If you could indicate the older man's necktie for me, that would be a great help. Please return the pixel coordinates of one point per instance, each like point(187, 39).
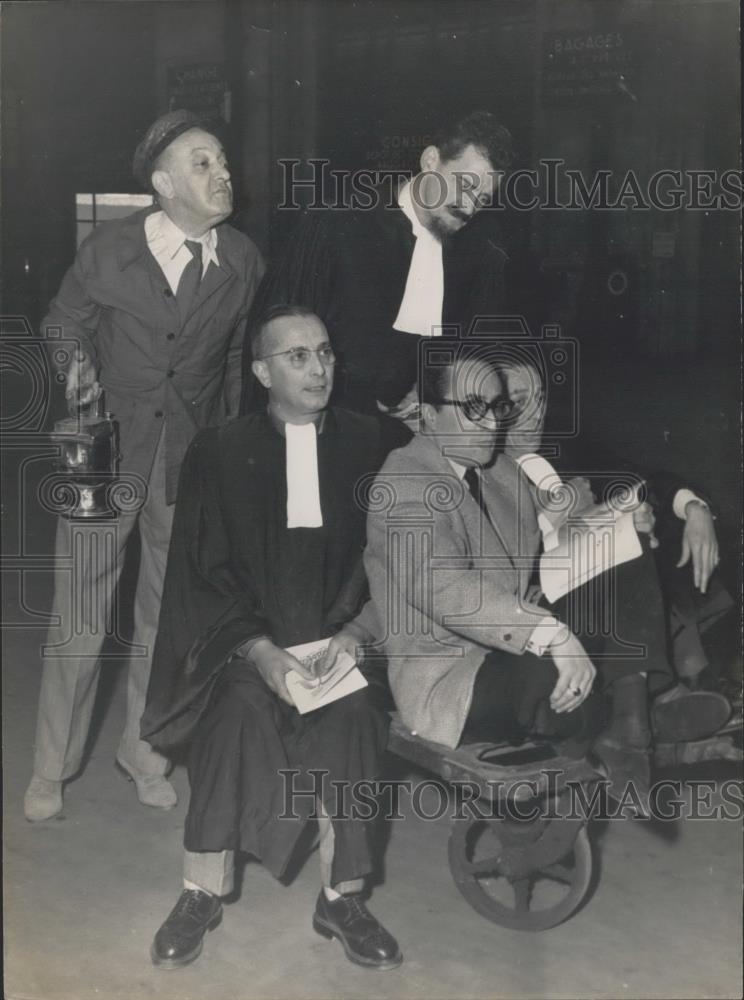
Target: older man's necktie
point(190, 279)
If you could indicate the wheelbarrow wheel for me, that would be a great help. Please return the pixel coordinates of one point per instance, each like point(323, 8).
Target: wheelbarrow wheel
point(497, 866)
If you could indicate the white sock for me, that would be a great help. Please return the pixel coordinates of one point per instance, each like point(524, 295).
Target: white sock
point(331, 894)
point(193, 885)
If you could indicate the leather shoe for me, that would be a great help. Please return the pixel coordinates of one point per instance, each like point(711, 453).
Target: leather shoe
point(680, 716)
point(364, 939)
point(624, 766)
point(179, 940)
point(152, 789)
point(43, 799)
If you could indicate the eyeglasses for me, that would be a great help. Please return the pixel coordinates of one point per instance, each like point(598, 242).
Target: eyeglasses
point(477, 410)
point(300, 356)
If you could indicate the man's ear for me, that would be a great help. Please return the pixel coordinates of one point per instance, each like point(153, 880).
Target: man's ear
point(261, 371)
point(161, 181)
point(430, 158)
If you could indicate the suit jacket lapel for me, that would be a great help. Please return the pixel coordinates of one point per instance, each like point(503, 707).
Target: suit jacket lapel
point(474, 522)
point(212, 281)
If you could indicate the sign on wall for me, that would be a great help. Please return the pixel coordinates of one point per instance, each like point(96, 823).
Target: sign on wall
point(200, 87)
point(579, 65)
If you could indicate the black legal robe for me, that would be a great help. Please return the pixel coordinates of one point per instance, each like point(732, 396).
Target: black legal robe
point(235, 571)
point(350, 266)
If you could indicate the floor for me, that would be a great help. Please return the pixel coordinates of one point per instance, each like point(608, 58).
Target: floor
point(85, 892)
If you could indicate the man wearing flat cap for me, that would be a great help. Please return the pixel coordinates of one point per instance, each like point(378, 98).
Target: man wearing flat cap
point(156, 305)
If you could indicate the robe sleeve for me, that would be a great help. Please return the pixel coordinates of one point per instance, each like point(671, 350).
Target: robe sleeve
point(205, 616)
point(329, 265)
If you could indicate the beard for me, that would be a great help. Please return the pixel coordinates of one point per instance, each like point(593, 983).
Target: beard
point(439, 228)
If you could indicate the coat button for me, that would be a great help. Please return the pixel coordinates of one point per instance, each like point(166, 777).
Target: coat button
point(171, 373)
point(507, 637)
point(158, 413)
point(170, 336)
point(168, 293)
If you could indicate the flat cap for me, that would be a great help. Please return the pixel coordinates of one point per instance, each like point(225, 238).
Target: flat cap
point(160, 135)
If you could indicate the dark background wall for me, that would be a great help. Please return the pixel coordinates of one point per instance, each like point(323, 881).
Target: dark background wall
point(363, 83)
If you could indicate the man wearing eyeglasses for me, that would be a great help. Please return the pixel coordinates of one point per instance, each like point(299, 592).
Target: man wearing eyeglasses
point(266, 554)
point(452, 555)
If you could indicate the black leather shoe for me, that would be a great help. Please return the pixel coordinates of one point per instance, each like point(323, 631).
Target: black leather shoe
point(179, 940)
point(365, 940)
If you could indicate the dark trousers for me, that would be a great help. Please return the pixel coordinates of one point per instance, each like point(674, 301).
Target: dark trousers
point(619, 618)
point(246, 739)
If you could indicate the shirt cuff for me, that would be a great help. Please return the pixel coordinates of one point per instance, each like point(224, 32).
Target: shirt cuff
point(544, 634)
point(681, 499)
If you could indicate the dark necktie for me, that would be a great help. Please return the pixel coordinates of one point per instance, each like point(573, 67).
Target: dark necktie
point(190, 279)
point(473, 483)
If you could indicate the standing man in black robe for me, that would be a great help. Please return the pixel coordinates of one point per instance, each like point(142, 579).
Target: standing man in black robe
point(266, 554)
point(382, 277)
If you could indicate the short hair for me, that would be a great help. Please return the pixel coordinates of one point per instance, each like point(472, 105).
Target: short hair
point(479, 129)
point(278, 311)
point(433, 381)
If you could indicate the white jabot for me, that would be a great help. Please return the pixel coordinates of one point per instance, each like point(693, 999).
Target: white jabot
point(421, 309)
point(549, 627)
point(303, 488)
point(167, 245)
point(539, 471)
point(542, 474)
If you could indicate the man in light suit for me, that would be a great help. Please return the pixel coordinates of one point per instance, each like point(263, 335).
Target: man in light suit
point(452, 539)
point(156, 305)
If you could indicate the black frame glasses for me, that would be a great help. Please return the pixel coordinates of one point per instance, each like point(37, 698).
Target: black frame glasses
point(476, 409)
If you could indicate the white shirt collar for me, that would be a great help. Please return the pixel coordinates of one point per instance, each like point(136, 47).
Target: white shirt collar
point(459, 469)
point(165, 240)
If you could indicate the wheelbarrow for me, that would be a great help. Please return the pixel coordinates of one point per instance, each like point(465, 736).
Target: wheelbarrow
point(526, 873)
point(528, 866)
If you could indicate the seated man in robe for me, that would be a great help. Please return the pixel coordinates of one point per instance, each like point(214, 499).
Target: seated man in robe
point(471, 653)
point(267, 554)
point(684, 534)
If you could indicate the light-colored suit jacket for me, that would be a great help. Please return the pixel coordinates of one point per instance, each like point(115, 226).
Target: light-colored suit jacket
point(447, 583)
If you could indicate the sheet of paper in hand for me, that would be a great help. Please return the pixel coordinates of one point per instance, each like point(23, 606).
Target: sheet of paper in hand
point(342, 679)
point(593, 543)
